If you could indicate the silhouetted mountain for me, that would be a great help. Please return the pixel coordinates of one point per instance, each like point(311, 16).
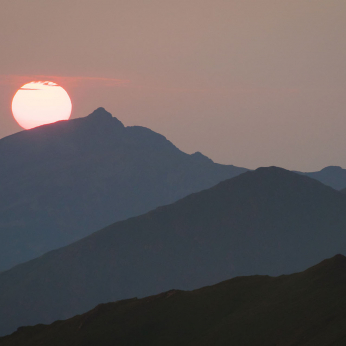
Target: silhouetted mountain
point(333, 176)
point(303, 309)
point(63, 181)
point(268, 221)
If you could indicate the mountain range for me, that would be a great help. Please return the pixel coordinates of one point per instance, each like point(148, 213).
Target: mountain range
point(305, 309)
point(268, 221)
point(63, 181)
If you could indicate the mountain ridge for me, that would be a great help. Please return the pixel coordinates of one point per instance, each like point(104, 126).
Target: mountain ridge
point(268, 221)
point(303, 308)
point(60, 182)
point(334, 176)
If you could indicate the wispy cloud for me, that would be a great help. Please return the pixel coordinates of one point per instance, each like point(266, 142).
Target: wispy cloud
point(74, 81)
point(94, 82)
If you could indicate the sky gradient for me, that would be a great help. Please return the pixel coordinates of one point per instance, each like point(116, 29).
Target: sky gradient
point(246, 82)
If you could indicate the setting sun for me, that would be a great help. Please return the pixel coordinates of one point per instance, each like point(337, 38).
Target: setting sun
point(39, 103)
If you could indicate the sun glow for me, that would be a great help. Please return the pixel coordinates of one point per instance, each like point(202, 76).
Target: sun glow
point(39, 103)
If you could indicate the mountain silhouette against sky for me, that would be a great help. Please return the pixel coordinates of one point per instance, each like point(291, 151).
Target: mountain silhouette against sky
point(305, 309)
point(63, 181)
point(333, 176)
point(268, 221)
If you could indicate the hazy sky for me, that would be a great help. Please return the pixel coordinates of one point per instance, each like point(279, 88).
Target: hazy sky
point(246, 82)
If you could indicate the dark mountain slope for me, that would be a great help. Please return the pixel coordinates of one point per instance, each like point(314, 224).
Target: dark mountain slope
point(306, 309)
point(333, 176)
point(269, 221)
point(63, 181)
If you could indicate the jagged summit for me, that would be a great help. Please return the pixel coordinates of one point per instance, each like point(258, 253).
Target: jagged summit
point(100, 114)
point(200, 157)
point(117, 171)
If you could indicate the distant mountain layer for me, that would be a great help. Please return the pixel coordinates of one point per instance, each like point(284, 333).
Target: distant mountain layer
point(63, 181)
point(333, 176)
point(268, 221)
point(305, 309)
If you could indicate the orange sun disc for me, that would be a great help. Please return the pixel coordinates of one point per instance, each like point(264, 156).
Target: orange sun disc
point(39, 103)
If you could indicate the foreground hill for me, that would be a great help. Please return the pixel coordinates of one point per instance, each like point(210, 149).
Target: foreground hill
point(305, 309)
point(269, 221)
point(63, 181)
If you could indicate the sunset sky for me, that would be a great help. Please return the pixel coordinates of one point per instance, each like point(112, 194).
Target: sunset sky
point(246, 82)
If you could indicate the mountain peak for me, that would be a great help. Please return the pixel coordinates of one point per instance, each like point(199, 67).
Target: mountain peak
point(271, 169)
point(100, 114)
point(200, 157)
point(332, 168)
point(333, 176)
point(272, 172)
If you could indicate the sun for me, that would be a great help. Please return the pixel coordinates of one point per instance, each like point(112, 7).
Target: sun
point(39, 103)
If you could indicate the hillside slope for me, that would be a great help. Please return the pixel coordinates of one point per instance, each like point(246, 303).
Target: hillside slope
point(305, 309)
point(269, 221)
